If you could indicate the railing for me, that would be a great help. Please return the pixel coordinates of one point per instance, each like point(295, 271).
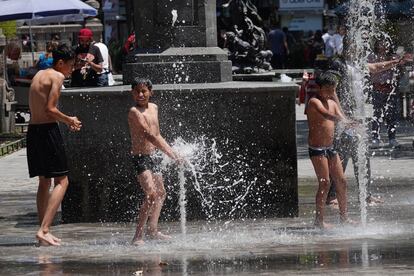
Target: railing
point(12, 146)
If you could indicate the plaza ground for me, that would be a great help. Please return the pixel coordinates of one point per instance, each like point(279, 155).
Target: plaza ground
point(288, 246)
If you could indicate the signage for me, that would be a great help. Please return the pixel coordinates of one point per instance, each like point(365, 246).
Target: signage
point(300, 4)
point(303, 23)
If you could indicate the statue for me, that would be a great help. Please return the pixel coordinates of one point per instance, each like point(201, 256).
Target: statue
point(244, 37)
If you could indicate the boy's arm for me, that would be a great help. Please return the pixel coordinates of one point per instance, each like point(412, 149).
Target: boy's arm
point(318, 106)
point(53, 112)
point(378, 67)
point(134, 117)
point(96, 67)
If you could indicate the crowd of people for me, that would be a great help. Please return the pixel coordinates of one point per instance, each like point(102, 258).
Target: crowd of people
point(317, 46)
point(92, 67)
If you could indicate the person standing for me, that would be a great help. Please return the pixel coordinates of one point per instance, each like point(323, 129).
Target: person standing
point(338, 40)
point(88, 61)
point(385, 99)
point(146, 140)
point(46, 155)
point(279, 47)
point(106, 64)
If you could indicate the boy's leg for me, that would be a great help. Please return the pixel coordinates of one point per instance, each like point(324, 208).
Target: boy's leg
point(147, 184)
point(156, 208)
point(56, 197)
point(337, 173)
point(320, 164)
point(42, 198)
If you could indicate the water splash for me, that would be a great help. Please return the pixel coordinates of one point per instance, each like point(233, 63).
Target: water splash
point(174, 14)
point(219, 196)
point(361, 24)
point(182, 200)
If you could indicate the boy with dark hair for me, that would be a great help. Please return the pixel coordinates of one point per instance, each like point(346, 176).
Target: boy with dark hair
point(45, 151)
point(323, 112)
point(146, 139)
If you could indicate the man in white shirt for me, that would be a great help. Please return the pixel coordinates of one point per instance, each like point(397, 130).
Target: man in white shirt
point(337, 40)
point(329, 44)
point(103, 76)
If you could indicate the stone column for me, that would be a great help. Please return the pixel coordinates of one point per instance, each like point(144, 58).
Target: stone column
point(156, 29)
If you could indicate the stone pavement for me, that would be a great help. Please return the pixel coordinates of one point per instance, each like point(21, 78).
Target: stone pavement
point(289, 245)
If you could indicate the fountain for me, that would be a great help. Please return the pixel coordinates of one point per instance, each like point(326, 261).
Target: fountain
point(251, 124)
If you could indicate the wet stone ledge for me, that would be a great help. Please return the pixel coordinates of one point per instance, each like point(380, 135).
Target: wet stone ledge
point(251, 123)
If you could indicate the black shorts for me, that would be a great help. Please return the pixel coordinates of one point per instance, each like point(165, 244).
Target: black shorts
point(45, 151)
point(146, 162)
point(327, 152)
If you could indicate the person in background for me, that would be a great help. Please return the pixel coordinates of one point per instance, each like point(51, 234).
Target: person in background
point(13, 54)
point(106, 70)
point(337, 40)
point(329, 44)
point(130, 44)
point(382, 65)
point(279, 47)
point(46, 59)
point(291, 42)
point(88, 61)
point(317, 47)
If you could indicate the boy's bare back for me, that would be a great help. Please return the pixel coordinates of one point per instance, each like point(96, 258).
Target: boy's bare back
point(44, 82)
point(143, 121)
point(321, 125)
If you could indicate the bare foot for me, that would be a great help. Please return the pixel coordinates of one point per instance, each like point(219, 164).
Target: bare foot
point(373, 201)
point(46, 239)
point(56, 239)
point(138, 242)
point(159, 236)
point(324, 225)
point(349, 221)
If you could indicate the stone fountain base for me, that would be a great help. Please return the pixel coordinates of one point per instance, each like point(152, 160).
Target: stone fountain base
point(252, 121)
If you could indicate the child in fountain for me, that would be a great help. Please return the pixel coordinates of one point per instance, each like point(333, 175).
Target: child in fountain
point(323, 112)
point(45, 151)
point(146, 139)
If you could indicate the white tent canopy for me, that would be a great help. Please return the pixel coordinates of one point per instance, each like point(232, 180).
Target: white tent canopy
point(44, 11)
point(39, 9)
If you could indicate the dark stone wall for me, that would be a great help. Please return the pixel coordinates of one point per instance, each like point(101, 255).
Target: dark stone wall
point(251, 122)
point(195, 25)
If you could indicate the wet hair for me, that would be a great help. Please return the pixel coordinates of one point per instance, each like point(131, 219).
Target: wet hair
point(137, 81)
point(327, 78)
point(62, 52)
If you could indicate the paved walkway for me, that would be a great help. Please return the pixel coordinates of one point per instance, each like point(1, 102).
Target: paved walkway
point(288, 245)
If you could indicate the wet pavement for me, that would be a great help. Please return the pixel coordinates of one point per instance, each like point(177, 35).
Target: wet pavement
point(289, 246)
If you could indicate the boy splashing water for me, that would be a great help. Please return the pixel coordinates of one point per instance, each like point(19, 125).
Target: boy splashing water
point(323, 112)
point(146, 139)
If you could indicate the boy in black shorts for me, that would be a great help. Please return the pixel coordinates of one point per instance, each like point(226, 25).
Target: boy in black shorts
point(45, 151)
point(146, 139)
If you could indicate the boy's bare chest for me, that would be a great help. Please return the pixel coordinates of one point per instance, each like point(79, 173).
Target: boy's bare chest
point(151, 118)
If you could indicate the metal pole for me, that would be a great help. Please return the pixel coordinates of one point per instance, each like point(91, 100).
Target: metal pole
point(31, 41)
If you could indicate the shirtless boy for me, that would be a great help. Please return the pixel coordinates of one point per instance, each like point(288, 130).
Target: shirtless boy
point(146, 139)
point(45, 151)
point(323, 112)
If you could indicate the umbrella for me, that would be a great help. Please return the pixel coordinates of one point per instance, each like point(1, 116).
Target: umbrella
point(46, 11)
point(37, 9)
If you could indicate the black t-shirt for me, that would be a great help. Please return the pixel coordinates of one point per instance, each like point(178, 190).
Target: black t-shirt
point(90, 78)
